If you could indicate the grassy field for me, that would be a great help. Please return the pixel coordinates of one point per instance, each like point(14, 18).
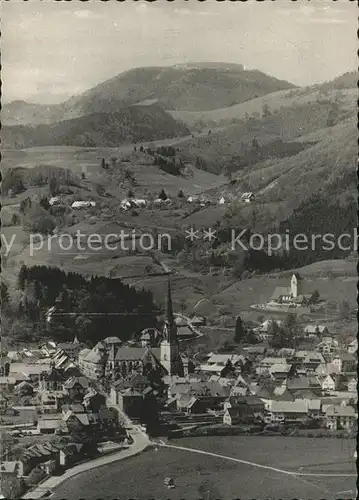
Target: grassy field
point(275, 100)
point(201, 476)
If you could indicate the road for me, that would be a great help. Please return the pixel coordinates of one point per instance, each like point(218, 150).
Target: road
point(141, 441)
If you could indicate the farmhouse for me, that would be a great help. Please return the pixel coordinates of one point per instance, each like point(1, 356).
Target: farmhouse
point(83, 204)
point(247, 197)
point(340, 417)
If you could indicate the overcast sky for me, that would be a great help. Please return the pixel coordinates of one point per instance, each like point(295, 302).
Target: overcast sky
point(52, 50)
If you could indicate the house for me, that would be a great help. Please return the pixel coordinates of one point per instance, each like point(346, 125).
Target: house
point(129, 401)
point(139, 203)
point(51, 401)
point(76, 387)
point(352, 384)
point(340, 417)
point(70, 454)
point(93, 401)
point(8, 383)
point(266, 363)
point(15, 467)
point(281, 411)
point(238, 414)
point(352, 347)
point(327, 383)
point(83, 204)
point(328, 345)
point(49, 425)
point(55, 200)
point(222, 200)
point(302, 384)
point(31, 371)
point(316, 330)
point(51, 380)
point(280, 371)
point(198, 321)
point(201, 404)
point(311, 361)
point(78, 421)
point(71, 349)
point(247, 197)
point(92, 361)
point(346, 362)
point(254, 402)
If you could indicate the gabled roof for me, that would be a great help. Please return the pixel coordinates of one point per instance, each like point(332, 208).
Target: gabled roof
point(71, 382)
point(298, 406)
point(340, 411)
point(135, 353)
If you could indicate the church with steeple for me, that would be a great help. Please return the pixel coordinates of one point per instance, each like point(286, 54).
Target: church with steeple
point(170, 357)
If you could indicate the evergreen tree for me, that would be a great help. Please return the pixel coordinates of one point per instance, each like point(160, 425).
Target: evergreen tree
point(239, 330)
point(162, 195)
point(180, 194)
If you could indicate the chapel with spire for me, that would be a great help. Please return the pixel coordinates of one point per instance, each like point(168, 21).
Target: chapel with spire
point(170, 357)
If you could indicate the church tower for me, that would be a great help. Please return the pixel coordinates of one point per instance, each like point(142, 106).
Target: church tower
point(170, 355)
point(294, 286)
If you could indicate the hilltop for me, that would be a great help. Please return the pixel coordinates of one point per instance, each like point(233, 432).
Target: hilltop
point(130, 125)
point(201, 86)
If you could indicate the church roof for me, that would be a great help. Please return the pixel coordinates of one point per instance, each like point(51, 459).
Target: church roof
point(135, 353)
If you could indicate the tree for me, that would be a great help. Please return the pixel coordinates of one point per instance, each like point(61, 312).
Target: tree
point(315, 297)
point(15, 220)
point(227, 172)
point(163, 195)
point(130, 194)
point(44, 203)
point(22, 277)
point(113, 161)
point(12, 180)
point(180, 194)
point(103, 163)
point(39, 221)
point(239, 332)
point(5, 296)
point(344, 309)
point(255, 144)
point(53, 186)
point(266, 111)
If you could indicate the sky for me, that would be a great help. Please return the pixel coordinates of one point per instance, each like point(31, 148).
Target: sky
point(52, 49)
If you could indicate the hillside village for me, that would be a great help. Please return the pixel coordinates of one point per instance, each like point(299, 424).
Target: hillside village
point(108, 352)
point(65, 402)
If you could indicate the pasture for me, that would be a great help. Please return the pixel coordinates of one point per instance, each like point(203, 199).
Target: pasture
point(209, 477)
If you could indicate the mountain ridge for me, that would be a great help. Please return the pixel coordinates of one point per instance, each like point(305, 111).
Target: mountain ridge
point(199, 86)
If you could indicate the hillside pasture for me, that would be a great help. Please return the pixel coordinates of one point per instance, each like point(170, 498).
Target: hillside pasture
point(205, 476)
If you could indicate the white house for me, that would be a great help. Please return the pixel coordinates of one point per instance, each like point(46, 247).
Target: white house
point(247, 197)
point(55, 200)
point(264, 366)
point(222, 200)
point(316, 330)
point(327, 383)
point(139, 203)
point(83, 204)
point(343, 417)
point(352, 384)
point(353, 346)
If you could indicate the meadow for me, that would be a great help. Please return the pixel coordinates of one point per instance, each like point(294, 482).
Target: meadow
point(203, 476)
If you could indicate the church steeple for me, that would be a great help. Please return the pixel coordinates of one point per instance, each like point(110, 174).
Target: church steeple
point(170, 324)
point(170, 356)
